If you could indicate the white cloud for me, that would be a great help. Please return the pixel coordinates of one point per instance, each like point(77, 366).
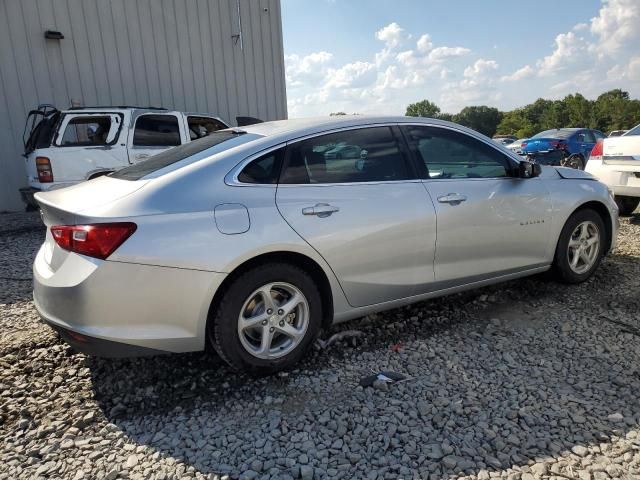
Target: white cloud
point(570, 51)
point(594, 55)
point(351, 75)
point(306, 70)
point(442, 53)
point(480, 69)
point(520, 74)
point(617, 26)
point(477, 86)
point(392, 35)
point(424, 43)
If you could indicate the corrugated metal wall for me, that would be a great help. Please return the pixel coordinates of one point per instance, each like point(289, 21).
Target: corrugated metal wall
point(178, 54)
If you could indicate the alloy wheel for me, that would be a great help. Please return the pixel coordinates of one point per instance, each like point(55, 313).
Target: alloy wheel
point(584, 247)
point(273, 320)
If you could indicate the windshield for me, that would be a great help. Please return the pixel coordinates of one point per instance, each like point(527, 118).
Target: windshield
point(634, 131)
point(186, 154)
point(556, 133)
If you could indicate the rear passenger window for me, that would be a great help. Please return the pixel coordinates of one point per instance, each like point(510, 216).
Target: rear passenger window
point(361, 155)
point(263, 170)
point(156, 131)
point(202, 126)
point(449, 154)
point(86, 131)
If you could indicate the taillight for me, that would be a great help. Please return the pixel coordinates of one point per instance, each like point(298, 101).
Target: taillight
point(558, 144)
point(43, 166)
point(597, 149)
point(98, 240)
point(523, 144)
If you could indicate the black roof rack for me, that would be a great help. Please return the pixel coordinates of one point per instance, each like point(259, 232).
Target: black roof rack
point(117, 106)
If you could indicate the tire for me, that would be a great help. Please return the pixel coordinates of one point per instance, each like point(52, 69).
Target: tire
point(243, 349)
point(627, 205)
point(564, 271)
point(575, 161)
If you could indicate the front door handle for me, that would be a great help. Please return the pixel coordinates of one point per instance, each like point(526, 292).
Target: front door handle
point(452, 198)
point(320, 210)
point(141, 156)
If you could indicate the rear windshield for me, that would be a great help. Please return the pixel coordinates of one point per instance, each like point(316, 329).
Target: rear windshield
point(634, 131)
point(183, 155)
point(558, 133)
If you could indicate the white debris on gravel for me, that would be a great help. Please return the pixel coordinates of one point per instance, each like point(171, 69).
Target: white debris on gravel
point(527, 380)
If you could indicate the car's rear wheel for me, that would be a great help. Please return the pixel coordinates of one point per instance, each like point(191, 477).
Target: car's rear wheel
point(266, 319)
point(574, 161)
point(627, 205)
point(580, 247)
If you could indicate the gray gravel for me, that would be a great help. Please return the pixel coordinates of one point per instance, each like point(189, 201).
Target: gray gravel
point(526, 380)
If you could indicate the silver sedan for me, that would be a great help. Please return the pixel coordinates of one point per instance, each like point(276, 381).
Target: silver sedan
point(254, 239)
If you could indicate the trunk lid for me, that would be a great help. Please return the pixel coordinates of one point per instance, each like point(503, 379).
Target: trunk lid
point(623, 150)
point(72, 206)
point(538, 144)
point(79, 199)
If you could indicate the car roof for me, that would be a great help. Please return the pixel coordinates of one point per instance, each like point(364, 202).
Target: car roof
point(299, 127)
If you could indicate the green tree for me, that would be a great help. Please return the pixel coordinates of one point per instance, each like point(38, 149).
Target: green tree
point(445, 116)
point(614, 110)
point(482, 119)
point(424, 108)
point(516, 123)
point(579, 111)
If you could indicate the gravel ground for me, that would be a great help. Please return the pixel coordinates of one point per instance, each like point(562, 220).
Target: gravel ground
point(526, 380)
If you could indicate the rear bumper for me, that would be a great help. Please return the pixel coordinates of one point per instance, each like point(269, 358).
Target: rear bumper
point(99, 347)
point(115, 309)
point(624, 180)
point(550, 157)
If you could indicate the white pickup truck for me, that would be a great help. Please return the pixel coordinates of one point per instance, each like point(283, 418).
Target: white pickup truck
point(69, 146)
point(615, 161)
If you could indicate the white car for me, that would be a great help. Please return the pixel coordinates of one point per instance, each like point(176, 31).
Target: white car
point(70, 146)
point(615, 161)
point(516, 146)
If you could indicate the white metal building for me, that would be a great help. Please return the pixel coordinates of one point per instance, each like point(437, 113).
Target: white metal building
point(219, 56)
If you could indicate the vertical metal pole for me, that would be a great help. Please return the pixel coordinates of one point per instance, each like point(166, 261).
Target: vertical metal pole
point(239, 24)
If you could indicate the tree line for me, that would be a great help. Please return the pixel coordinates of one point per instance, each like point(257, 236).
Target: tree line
point(613, 110)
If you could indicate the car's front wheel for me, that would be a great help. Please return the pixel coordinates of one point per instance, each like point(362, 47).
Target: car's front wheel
point(581, 246)
point(266, 319)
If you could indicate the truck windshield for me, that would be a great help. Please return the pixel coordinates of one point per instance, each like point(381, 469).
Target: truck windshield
point(186, 154)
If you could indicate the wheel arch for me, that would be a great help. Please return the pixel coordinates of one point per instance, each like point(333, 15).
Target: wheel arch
point(98, 173)
point(602, 210)
point(297, 259)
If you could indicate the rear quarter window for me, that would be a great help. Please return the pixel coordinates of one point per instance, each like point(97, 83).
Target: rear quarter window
point(184, 155)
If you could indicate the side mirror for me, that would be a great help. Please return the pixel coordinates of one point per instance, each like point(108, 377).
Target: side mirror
point(528, 169)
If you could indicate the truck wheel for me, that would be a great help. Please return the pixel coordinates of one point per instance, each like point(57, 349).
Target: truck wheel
point(267, 319)
point(580, 247)
point(627, 205)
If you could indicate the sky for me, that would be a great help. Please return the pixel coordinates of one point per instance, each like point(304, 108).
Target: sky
point(378, 56)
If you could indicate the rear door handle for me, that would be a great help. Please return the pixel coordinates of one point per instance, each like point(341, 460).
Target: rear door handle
point(141, 156)
point(452, 198)
point(320, 210)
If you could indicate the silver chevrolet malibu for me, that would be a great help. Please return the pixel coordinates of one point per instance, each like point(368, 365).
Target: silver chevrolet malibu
point(254, 239)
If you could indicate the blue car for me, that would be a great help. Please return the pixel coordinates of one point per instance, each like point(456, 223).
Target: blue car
point(575, 144)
